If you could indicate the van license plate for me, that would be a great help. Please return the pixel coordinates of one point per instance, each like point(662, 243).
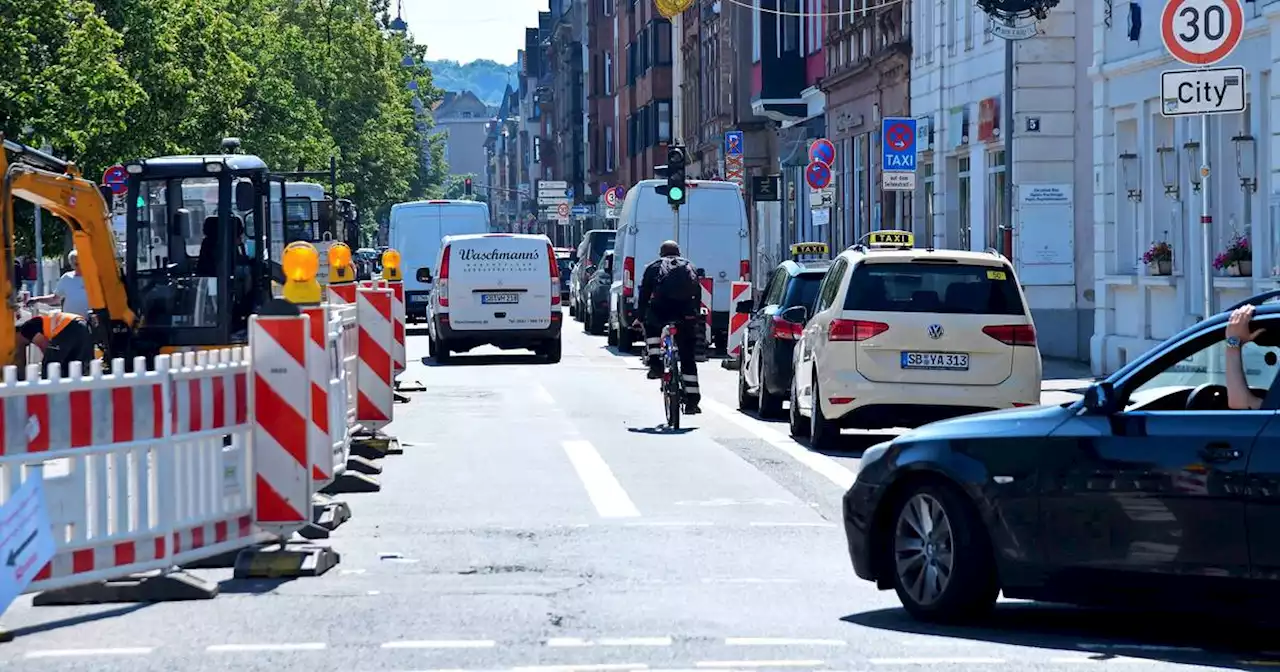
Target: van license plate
point(497, 299)
point(936, 361)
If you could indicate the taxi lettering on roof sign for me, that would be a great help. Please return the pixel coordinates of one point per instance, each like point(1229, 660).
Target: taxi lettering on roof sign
point(800, 249)
point(891, 239)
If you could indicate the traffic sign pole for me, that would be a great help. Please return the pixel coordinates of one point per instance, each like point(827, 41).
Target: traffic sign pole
point(1202, 33)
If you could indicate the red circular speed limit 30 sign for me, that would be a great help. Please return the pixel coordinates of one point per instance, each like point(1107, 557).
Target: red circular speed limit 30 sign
point(1201, 32)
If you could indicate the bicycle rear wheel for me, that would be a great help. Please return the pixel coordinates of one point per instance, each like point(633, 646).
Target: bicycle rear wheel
point(671, 396)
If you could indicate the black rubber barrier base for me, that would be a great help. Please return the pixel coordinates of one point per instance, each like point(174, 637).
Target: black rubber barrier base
point(410, 386)
point(400, 398)
point(221, 561)
point(171, 587)
point(313, 532)
point(285, 562)
point(352, 482)
point(362, 465)
point(371, 447)
point(328, 512)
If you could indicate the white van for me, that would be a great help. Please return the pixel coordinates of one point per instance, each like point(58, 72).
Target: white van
point(415, 231)
point(500, 289)
point(713, 235)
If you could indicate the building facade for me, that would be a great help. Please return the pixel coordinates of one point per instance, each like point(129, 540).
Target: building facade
point(1147, 187)
point(964, 170)
point(604, 114)
point(868, 63)
point(644, 91)
point(463, 117)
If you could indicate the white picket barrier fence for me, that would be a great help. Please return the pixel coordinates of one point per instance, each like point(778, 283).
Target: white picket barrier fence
point(135, 474)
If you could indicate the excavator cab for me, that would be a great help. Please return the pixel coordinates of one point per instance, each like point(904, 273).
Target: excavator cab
point(198, 261)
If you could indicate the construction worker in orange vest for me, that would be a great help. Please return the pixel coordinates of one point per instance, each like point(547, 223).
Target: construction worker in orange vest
point(62, 337)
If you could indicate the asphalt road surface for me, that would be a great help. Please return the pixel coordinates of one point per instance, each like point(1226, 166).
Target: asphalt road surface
point(540, 520)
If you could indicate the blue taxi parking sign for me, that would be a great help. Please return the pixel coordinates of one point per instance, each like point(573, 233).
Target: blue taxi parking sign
point(898, 144)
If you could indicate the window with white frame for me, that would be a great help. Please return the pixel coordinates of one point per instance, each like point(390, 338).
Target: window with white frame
point(610, 154)
point(1128, 230)
point(608, 7)
point(861, 192)
point(1239, 161)
point(997, 181)
point(958, 10)
point(968, 27)
point(755, 31)
point(842, 224)
point(927, 194)
point(664, 121)
point(537, 150)
point(608, 73)
point(962, 193)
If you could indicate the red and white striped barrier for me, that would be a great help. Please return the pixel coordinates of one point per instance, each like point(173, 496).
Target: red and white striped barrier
point(708, 287)
point(375, 377)
point(738, 291)
point(126, 492)
point(328, 433)
point(349, 335)
point(279, 347)
point(397, 312)
point(341, 292)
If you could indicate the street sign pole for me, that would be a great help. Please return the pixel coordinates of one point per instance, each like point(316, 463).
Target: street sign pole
point(1201, 33)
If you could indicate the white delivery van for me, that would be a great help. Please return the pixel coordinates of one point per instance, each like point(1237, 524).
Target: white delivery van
point(500, 289)
point(415, 231)
point(713, 235)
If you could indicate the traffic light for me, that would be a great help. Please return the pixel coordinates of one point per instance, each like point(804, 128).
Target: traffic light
point(466, 186)
point(676, 161)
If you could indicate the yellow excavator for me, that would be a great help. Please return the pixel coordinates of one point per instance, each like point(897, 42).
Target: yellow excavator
point(58, 187)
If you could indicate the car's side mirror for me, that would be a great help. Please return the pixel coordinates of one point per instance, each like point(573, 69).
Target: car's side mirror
point(424, 274)
point(746, 307)
point(1100, 398)
point(795, 314)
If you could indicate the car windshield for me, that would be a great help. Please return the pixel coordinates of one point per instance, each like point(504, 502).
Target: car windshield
point(967, 289)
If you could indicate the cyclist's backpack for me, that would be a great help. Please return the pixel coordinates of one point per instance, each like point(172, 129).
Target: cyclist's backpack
point(677, 282)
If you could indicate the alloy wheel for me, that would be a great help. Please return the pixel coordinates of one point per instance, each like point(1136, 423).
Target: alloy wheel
point(923, 546)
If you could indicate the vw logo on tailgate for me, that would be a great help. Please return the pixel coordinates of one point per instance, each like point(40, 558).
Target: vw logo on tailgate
point(935, 331)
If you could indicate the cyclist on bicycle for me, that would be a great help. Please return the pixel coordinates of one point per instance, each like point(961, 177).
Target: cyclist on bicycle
point(670, 293)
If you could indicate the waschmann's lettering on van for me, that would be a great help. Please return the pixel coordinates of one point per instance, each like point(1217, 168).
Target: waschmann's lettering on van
point(498, 255)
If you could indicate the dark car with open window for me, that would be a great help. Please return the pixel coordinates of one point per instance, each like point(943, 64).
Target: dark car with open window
point(1149, 491)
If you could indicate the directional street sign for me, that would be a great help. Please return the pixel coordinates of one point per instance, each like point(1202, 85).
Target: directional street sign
point(1201, 32)
point(28, 543)
point(818, 175)
point(898, 139)
point(822, 151)
point(583, 210)
point(117, 179)
point(1209, 91)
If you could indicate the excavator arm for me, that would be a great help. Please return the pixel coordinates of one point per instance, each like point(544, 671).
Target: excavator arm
point(58, 187)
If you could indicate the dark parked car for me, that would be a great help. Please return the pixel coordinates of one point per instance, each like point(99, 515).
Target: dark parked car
point(565, 261)
point(596, 296)
point(765, 362)
point(1146, 492)
point(590, 251)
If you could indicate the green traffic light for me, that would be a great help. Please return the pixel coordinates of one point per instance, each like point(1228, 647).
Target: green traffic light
point(675, 194)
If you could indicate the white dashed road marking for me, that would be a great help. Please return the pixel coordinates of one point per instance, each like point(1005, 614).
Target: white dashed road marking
point(256, 648)
point(782, 641)
point(441, 644)
point(937, 661)
point(827, 467)
point(608, 495)
point(607, 667)
point(72, 653)
point(568, 642)
point(749, 664)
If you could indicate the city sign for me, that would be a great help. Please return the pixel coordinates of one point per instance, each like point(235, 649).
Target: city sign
point(1201, 32)
point(1012, 31)
point(898, 140)
point(822, 151)
point(1208, 91)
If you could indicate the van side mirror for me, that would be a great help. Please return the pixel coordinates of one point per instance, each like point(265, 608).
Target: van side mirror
point(795, 314)
point(1100, 398)
point(245, 194)
point(702, 272)
point(424, 274)
point(746, 307)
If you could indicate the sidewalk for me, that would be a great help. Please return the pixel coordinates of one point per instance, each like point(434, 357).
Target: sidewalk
point(1066, 375)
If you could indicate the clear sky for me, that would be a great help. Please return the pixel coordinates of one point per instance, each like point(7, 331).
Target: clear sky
point(465, 30)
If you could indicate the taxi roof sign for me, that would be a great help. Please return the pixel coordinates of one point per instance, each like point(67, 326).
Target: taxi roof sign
point(802, 249)
point(901, 239)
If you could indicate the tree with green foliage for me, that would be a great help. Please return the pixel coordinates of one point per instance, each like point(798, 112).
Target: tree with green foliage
point(297, 80)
